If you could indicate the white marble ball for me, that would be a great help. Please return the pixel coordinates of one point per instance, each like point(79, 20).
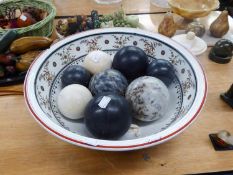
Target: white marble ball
point(72, 101)
point(149, 97)
point(97, 61)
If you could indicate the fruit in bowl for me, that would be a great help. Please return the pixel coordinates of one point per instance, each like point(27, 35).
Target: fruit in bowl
point(184, 96)
point(19, 18)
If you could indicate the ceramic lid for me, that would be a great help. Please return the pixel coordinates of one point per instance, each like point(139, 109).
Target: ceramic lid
point(193, 43)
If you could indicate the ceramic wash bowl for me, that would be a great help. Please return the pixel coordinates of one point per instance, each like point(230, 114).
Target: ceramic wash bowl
point(193, 9)
point(43, 83)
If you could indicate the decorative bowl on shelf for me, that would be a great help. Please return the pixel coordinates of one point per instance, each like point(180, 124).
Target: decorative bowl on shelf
point(40, 28)
point(193, 9)
point(43, 84)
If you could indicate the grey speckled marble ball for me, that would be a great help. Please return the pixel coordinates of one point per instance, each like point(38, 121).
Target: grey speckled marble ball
point(107, 81)
point(149, 97)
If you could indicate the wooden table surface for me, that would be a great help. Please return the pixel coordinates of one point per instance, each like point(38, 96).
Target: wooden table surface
point(26, 148)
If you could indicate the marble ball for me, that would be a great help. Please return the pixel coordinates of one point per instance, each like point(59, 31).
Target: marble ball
point(149, 98)
point(72, 101)
point(108, 81)
point(97, 61)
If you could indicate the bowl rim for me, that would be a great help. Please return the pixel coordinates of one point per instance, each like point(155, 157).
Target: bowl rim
point(117, 145)
point(215, 6)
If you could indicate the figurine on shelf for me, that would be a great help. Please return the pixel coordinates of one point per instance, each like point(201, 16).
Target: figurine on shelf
point(197, 28)
point(223, 140)
point(222, 51)
point(167, 27)
point(228, 96)
point(220, 26)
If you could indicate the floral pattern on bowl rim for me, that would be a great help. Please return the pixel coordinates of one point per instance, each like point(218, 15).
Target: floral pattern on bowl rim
point(72, 50)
